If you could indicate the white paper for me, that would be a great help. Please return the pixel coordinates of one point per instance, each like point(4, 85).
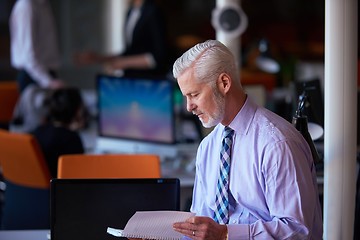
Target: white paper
point(152, 225)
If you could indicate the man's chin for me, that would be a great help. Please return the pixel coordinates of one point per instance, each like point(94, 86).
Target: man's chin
point(208, 124)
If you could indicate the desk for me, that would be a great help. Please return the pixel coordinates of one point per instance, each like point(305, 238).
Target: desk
point(25, 234)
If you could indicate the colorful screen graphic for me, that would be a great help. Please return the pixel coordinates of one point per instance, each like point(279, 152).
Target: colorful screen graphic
point(138, 109)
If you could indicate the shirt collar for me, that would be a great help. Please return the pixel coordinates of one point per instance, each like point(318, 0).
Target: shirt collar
point(241, 123)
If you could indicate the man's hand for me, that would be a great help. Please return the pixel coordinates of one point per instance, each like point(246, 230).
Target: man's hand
point(201, 228)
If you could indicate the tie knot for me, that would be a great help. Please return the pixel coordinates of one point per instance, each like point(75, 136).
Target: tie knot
point(228, 132)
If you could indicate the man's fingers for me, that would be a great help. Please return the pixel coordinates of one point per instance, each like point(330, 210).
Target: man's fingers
point(198, 220)
point(185, 226)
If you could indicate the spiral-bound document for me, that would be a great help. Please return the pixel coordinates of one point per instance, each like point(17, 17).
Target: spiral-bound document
point(152, 225)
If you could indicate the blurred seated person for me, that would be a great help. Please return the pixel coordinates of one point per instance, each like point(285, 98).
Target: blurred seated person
point(59, 135)
point(145, 44)
point(30, 110)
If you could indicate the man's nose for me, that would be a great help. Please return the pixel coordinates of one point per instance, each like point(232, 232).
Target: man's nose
point(190, 106)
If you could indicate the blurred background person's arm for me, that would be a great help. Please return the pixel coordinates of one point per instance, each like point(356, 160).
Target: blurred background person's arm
point(145, 42)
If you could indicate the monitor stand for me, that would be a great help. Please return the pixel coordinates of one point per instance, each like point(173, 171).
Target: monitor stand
point(165, 151)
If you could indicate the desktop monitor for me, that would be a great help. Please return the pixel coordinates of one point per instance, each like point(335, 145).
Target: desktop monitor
point(84, 208)
point(136, 109)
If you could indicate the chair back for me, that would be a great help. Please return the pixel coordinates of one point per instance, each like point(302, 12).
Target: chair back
point(109, 166)
point(22, 161)
point(9, 95)
point(27, 179)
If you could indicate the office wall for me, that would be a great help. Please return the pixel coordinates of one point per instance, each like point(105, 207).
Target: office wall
point(80, 27)
point(87, 25)
point(295, 30)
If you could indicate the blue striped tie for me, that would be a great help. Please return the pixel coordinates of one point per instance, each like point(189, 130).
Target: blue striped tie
point(221, 214)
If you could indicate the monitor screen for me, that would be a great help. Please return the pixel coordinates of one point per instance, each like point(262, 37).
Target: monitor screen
point(84, 208)
point(136, 109)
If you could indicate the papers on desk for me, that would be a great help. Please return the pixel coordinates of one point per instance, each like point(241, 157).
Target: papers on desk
point(152, 225)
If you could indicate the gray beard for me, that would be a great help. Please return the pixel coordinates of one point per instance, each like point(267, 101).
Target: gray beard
point(218, 115)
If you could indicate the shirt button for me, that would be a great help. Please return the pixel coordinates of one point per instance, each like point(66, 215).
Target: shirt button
point(234, 221)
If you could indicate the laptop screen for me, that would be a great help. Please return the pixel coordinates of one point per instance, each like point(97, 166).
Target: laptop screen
point(84, 208)
point(136, 109)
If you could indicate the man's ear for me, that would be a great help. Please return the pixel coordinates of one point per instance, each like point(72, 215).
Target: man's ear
point(224, 83)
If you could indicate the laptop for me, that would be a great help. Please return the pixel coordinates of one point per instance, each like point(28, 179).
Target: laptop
point(85, 208)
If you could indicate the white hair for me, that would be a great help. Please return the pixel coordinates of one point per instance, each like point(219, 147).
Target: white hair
point(208, 59)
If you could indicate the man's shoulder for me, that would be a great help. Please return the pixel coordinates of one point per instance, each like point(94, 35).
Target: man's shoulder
point(273, 127)
point(264, 115)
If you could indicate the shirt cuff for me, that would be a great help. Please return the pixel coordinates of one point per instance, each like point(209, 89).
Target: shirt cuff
point(238, 231)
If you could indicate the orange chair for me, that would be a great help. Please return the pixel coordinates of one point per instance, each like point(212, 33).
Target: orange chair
point(27, 180)
point(9, 95)
point(109, 166)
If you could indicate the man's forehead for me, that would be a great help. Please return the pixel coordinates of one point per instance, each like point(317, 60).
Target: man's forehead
point(187, 81)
